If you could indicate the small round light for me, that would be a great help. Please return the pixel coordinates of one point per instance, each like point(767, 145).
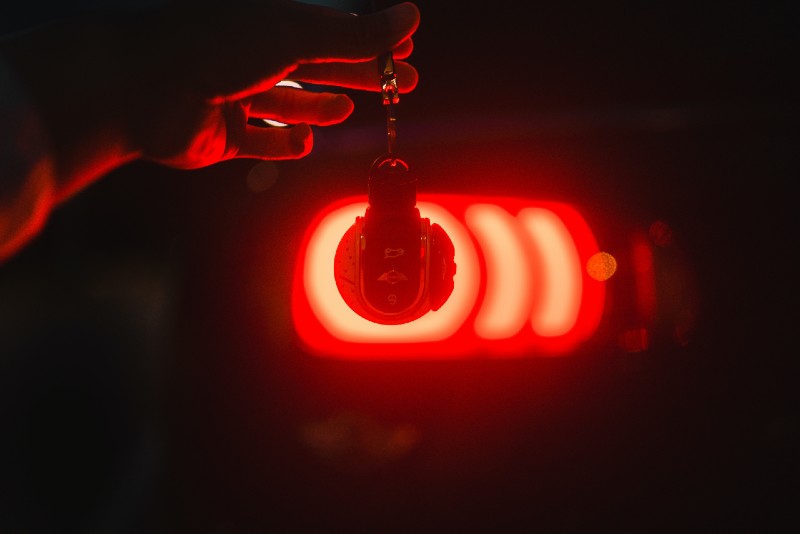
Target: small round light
point(601, 266)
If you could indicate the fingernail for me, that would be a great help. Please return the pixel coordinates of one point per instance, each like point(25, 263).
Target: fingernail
point(301, 138)
point(403, 18)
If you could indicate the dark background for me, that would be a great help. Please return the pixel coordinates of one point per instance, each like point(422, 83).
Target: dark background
point(151, 381)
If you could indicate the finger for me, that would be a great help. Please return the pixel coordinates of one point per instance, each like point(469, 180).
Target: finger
point(319, 35)
point(404, 49)
point(290, 105)
point(232, 55)
point(274, 143)
point(364, 76)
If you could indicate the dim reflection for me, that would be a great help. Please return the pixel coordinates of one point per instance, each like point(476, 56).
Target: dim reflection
point(660, 234)
point(354, 441)
point(262, 176)
point(634, 340)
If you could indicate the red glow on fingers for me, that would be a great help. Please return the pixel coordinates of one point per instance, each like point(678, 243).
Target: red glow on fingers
point(404, 49)
point(282, 83)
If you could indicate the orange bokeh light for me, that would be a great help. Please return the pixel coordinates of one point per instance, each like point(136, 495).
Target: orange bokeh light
point(601, 266)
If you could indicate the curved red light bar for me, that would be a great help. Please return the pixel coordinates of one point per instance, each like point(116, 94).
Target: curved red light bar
point(521, 288)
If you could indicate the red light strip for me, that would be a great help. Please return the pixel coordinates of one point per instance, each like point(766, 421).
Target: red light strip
point(528, 268)
point(508, 296)
point(561, 272)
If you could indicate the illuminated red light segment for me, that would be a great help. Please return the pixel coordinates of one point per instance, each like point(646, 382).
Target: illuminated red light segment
point(344, 324)
point(509, 284)
point(642, 260)
point(561, 272)
point(522, 291)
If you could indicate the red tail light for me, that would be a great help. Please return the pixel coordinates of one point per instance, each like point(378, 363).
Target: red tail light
point(521, 288)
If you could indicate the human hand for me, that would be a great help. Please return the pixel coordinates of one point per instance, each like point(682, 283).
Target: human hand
point(235, 78)
point(177, 86)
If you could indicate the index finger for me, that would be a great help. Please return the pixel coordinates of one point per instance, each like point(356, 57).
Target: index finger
point(237, 53)
point(317, 34)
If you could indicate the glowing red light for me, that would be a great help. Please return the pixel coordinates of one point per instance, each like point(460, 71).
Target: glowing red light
point(642, 259)
point(506, 304)
point(344, 324)
point(562, 274)
point(522, 291)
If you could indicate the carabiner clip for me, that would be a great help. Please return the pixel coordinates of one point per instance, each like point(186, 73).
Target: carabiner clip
point(389, 90)
point(391, 96)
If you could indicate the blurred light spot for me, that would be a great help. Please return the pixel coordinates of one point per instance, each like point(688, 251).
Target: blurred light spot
point(660, 233)
point(561, 287)
point(355, 441)
point(262, 176)
point(282, 83)
point(645, 278)
point(642, 257)
point(601, 266)
point(507, 303)
point(634, 340)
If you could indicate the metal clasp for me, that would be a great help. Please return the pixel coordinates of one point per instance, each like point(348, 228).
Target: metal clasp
point(391, 96)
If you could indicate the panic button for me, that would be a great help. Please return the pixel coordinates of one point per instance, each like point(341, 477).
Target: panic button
point(521, 288)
